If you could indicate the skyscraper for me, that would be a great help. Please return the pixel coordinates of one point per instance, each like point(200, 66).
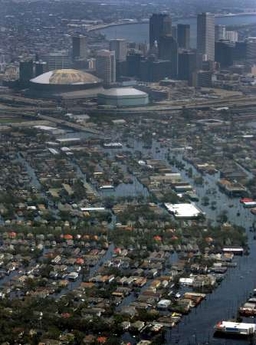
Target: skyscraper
point(26, 72)
point(106, 66)
point(174, 32)
point(232, 36)
point(133, 64)
point(79, 49)
point(183, 36)
point(186, 65)
point(168, 50)
point(220, 32)
point(159, 25)
point(224, 53)
point(57, 60)
point(40, 67)
point(119, 46)
point(206, 35)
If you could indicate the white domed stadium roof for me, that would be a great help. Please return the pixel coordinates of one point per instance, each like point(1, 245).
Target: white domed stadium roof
point(123, 92)
point(65, 77)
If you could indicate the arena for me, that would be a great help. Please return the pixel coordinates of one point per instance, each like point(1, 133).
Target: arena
point(123, 97)
point(61, 81)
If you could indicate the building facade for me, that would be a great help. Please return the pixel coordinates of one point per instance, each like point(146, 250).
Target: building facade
point(232, 36)
point(186, 65)
point(26, 70)
point(159, 25)
point(183, 36)
point(224, 53)
point(119, 46)
point(220, 32)
point(168, 50)
point(79, 47)
point(106, 66)
point(57, 60)
point(206, 35)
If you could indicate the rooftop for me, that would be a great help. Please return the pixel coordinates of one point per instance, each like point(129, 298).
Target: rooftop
point(65, 76)
point(126, 91)
point(183, 210)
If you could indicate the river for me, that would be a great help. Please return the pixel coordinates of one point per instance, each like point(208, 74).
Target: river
point(139, 32)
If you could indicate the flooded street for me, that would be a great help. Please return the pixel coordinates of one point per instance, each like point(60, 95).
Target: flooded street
point(197, 327)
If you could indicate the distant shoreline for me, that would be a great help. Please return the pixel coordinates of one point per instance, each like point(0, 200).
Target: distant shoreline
point(104, 26)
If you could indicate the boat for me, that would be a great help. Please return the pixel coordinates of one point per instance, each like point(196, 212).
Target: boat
point(234, 329)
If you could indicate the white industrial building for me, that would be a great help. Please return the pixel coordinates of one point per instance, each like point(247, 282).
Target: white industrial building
point(188, 211)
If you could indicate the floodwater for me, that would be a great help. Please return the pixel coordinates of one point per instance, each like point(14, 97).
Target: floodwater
point(222, 304)
point(197, 327)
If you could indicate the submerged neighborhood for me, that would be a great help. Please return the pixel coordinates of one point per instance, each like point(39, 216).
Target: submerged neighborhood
point(127, 173)
point(117, 236)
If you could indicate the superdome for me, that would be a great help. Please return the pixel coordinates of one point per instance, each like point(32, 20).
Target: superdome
point(65, 77)
point(62, 80)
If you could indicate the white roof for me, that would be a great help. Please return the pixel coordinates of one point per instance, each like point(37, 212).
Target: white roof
point(84, 209)
point(237, 325)
point(123, 91)
point(183, 210)
point(45, 128)
point(62, 140)
point(43, 78)
point(164, 302)
point(65, 77)
point(187, 280)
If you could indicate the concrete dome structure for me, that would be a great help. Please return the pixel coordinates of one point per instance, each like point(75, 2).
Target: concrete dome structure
point(63, 80)
point(123, 97)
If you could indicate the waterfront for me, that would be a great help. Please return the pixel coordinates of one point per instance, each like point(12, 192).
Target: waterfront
point(139, 32)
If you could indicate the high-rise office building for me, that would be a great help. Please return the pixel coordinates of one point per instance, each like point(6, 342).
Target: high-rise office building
point(240, 51)
point(57, 60)
point(206, 35)
point(202, 78)
point(183, 36)
point(232, 36)
point(220, 32)
point(168, 50)
point(119, 46)
point(26, 72)
point(79, 47)
point(174, 32)
point(159, 25)
point(186, 65)
point(106, 66)
point(251, 49)
point(40, 67)
point(224, 53)
point(133, 64)
point(155, 70)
